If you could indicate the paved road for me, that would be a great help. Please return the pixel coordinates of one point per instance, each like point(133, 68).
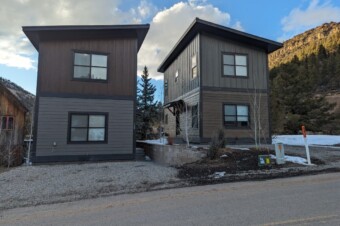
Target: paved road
point(308, 200)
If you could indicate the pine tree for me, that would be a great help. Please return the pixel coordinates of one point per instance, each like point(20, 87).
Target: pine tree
point(146, 106)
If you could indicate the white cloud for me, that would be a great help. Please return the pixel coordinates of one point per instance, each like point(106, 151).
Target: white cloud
point(238, 26)
point(17, 52)
point(168, 26)
point(315, 14)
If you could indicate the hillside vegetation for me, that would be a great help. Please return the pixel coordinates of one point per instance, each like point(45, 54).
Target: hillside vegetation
point(304, 74)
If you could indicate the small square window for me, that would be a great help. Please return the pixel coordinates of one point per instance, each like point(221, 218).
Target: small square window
point(235, 65)
point(88, 127)
point(236, 115)
point(90, 66)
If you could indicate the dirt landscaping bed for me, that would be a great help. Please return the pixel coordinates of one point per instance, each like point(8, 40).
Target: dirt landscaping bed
point(233, 164)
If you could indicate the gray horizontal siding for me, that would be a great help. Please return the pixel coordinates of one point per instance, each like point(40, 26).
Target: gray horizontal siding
point(53, 126)
point(211, 71)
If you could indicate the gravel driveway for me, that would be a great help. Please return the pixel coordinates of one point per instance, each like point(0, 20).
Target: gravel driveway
point(43, 184)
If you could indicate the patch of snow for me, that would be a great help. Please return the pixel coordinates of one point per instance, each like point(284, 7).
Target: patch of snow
point(161, 141)
point(293, 159)
point(242, 149)
point(147, 158)
point(311, 139)
point(217, 175)
point(224, 156)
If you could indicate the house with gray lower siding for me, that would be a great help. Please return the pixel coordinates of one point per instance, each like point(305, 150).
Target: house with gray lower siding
point(86, 91)
point(216, 78)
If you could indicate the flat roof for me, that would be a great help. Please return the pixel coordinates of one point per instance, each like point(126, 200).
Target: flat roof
point(36, 34)
point(202, 26)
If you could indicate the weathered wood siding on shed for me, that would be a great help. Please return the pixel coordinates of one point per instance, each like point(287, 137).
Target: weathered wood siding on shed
point(8, 107)
point(53, 126)
point(185, 82)
point(56, 67)
point(213, 113)
point(212, 48)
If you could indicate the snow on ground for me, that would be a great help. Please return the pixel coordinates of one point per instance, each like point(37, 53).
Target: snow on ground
point(161, 141)
point(311, 139)
point(293, 159)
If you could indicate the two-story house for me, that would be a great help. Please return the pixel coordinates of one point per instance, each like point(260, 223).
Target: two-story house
point(217, 78)
point(86, 91)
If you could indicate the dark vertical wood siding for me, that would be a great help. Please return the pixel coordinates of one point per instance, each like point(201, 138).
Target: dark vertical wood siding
point(56, 67)
point(211, 71)
point(185, 82)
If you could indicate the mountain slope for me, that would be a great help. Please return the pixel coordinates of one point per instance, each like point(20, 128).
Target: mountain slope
point(305, 44)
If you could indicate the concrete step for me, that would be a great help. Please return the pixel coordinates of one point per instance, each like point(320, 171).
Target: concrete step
point(139, 154)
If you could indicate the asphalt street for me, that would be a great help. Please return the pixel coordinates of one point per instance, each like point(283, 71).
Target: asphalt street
point(305, 200)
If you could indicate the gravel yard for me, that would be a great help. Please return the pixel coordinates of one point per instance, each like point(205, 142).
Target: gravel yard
point(42, 184)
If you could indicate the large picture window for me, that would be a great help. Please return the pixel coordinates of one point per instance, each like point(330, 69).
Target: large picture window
point(90, 66)
point(235, 65)
point(236, 115)
point(7, 122)
point(88, 127)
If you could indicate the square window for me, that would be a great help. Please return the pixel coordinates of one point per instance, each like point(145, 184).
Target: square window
point(235, 65)
point(87, 127)
point(236, 115)
point(90, 66)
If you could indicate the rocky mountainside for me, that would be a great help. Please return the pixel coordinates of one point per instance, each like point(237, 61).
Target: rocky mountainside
point(306, 43)
point(24, 96)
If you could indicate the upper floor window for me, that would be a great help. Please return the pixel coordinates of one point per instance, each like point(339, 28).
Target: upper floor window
point(176, 76)
point(194, 116)
point(90, 66)
point(235, 65)
point(88, 127)
point(236, 115)
point(7, 122)
point(194, 66)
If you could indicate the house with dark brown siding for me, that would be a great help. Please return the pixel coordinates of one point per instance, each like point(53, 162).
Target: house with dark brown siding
point(217, 78)
point(86, 91)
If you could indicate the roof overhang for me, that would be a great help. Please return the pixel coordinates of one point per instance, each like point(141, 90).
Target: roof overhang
point(37, 34)
point(176, 105)
point(202, 26)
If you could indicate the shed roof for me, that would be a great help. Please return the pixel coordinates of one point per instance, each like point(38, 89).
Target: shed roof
point(13, 95)
point(199, 26)
point(36, 34)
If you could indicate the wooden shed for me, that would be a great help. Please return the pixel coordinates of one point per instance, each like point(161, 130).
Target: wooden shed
point(12, 126)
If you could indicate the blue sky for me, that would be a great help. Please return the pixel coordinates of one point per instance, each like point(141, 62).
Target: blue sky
point(277, 20)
